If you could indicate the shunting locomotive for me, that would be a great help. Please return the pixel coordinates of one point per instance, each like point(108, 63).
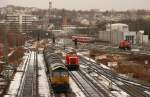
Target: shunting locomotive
point(72, 61)
point(124, 44)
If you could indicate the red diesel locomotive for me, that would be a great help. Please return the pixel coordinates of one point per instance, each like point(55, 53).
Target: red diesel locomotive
point(72, 61)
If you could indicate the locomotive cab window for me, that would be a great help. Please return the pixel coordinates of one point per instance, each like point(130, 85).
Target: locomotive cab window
point(64, 74)
point(55, 74)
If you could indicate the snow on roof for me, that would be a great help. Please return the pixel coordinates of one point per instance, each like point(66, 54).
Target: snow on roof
point(119, 24)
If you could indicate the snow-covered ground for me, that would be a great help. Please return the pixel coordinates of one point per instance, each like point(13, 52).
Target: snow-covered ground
point(82, 54)
point(147, 92)
point(75, 88)
point(15, 84)
point(44, 90)
point(104, 81)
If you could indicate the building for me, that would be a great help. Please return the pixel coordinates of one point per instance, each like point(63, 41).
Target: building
point(116, 32)
point(20, 22)
point(117, 27)
point(141, 38)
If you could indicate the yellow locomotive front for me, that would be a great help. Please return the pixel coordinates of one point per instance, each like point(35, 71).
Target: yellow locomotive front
point(60, 79)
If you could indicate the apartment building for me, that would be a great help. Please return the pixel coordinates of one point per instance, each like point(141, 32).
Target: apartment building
point(21, 22)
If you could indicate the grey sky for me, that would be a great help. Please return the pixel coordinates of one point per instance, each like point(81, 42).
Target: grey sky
point(83, 4)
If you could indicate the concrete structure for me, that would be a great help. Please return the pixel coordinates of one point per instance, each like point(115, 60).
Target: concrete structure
point(20, 22)
point(116, 32)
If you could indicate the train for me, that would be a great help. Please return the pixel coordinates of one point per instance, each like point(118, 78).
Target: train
point(57, 72)
point(124, 44)
point(83, 39)
point(72, 61)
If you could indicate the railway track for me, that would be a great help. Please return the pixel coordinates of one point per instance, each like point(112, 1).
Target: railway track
point(132, 89)
point(29, 84)
point(88, 88)
point(5, 84)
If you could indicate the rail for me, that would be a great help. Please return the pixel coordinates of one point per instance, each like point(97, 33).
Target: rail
point(126, 86)
point(85, 85)
point(28, 87)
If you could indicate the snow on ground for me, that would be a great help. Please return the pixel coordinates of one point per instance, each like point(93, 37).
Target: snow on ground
point(43, 81)
point(75, 88)
point(106, 82)
point(147, 92)
point(83, 66)
point(32, 58)
point(17, 80)
point(85, 53)
point(15, 84)
point(104, 66)
point(120, 94)
point(22, 65)
point(82, 54)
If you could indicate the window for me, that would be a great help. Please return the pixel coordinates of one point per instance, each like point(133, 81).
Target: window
point(130, 39)
point(64, 74)
point(56, 74)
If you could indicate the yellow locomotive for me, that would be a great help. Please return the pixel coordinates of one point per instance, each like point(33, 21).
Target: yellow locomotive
point(58, 73)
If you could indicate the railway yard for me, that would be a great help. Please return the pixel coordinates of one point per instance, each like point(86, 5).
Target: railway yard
point(78, 48)
point(102, 73)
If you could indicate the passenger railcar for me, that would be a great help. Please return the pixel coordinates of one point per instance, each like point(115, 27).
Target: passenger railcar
point(83, 39)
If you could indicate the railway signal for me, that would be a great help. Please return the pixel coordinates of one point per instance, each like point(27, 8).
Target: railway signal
point(53, 39)
point(76, 43)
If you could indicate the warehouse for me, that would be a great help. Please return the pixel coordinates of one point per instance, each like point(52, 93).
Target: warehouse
point(116, 32)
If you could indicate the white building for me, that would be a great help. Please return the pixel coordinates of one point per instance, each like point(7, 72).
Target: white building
point(116, 32)
point(71, 28)
point(20, 22)
point(117, 27)
point(141, 38)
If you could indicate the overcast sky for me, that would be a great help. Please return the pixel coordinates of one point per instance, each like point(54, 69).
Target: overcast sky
point(82, 4)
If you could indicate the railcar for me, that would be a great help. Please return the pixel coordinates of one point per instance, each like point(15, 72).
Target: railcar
point(83, 39)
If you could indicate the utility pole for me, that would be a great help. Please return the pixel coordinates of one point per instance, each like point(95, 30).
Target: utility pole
point(110, 27)
point(6, 51)
point(76, 44)
point(148, 31)
point(53, 39)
